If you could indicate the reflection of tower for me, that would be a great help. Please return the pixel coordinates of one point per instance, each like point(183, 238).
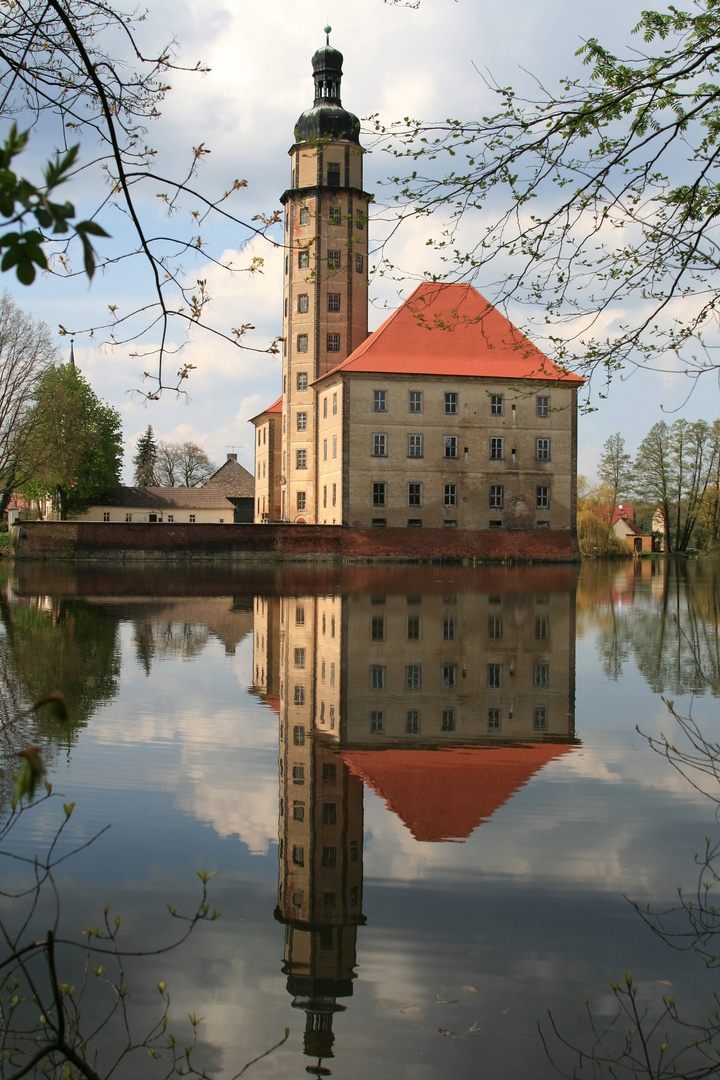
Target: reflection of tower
point(321, 824)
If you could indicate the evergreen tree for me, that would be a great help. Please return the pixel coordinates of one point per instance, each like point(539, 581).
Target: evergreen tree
point(145, 460)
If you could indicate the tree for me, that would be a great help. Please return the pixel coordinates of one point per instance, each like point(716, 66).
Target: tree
point(83, 65)
point(599, 198)
point(615, 470)
point(183, 465)
point(145, 460)
point(26, 352)
point(75, 450)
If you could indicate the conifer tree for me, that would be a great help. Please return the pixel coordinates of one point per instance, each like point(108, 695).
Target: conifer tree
point(145, 460)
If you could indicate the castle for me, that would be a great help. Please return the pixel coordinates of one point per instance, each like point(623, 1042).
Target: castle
point(445, 417)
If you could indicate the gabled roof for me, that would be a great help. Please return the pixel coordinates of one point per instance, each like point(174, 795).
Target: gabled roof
point(450, 329)
point(276, 407)
point(158, 498)
point(231, 480)
point(446, 794)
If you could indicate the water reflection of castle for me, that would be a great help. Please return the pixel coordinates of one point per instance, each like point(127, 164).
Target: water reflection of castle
point(444, 702)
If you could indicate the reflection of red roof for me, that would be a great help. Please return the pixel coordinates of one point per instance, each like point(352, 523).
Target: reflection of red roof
point(446, 794)
point(450, 329)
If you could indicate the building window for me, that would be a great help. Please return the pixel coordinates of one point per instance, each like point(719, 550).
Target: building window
point(496, 449)
point(414, 523)
point(298, 855)
point(329, 855)
point(333, 343)
point(416, 401)
point(359, 220)
point(415, 446)
point(379, 446)
point(192, 519)
point(359, 264)
point(298, 772)
point(298, 811)
point(496, 404)
point(377, 677)
point(334, 495)
point(448, 720)
point(302, 380)
point(299, 655)
point(329, 813)
point(324, 449)
point(540, 719)
point(301, 500)
point(412, 723)
point(303, 303)
point(450, 495)
point(334, 215)
point(335, 404)
point(325, 408)
point(379, 523)
point(128, 517)
point(301, 459)
point(495, 627)
point(543, 405)
point(543, 449)
point(324, 496)
point(333, 260)
point(542, 498)
point(449, 675)
point(379, 400)
point(496, 496)
point(451, 446)
point(304, 215)
point(302, 421)
point(106, 515)
point(334, 438)
point(376, 721)
point(494, 675)
point(302, 343)
point(377, 628)
point(414, 494)
point(303, 260)
point(493, 719)
point(541, 675)
point(379, 492)
point(542, 627)
point(299, 730)
point(413, 677)
point(334, 301)
point(449, 627)
point(333, 174)
point(451, 403)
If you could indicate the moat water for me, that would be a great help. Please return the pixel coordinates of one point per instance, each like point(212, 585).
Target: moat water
point(428, 794)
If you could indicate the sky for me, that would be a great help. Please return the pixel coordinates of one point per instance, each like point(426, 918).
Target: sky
point(424, 62)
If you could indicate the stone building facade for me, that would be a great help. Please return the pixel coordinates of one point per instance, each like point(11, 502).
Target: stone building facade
point(444, 417)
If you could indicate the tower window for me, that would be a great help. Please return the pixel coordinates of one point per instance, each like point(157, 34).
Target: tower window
point(302, 421)
point(333, 260)
point(302, 380)
point(304, 215)
point(334, 216)
point(334, 301)
point(301, 459)
point(303, 260)
point(333, 343)
point(303, 303)
point(359, 264)
point(301, 500)
point(333, 174)
point(302, 343)
point(359, 220)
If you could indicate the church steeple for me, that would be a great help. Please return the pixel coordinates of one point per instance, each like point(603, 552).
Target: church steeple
point(327, 119)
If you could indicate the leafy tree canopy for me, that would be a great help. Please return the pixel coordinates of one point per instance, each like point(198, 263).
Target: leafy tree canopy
point(597, 203)
point(76, 447)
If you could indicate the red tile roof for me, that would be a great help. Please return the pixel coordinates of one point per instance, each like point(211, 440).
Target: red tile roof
point(276, 407)
point(450, 329)
point(446, 794)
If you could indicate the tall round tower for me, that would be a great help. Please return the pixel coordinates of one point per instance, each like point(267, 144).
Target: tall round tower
point(325, 314)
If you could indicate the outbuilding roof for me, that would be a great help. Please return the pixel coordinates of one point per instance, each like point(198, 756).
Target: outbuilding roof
point(450, 329)
point(231, 480)
point(159, 498)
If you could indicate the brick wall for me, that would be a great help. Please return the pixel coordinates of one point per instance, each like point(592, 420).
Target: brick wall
point(139, 540)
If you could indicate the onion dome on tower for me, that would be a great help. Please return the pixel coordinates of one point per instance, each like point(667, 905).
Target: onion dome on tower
point(327, 120)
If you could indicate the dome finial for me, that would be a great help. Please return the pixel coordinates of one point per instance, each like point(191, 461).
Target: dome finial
point(328, 30)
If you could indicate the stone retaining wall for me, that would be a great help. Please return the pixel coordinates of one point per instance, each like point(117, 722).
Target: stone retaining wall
point(140, 540)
